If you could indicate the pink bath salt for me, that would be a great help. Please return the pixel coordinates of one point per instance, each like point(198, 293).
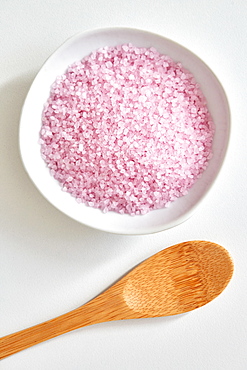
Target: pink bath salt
point(126, 129)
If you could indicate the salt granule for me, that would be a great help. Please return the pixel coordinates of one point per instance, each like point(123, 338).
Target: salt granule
point(126, 129)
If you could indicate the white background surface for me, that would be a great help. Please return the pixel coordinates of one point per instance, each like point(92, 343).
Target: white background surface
point(50, 264)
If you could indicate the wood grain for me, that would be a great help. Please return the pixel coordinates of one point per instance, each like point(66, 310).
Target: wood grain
point(178, 279)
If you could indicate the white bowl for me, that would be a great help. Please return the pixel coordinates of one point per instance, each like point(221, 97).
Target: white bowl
point(75, 49)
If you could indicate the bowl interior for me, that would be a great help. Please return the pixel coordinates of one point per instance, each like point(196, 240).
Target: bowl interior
point(75, 49)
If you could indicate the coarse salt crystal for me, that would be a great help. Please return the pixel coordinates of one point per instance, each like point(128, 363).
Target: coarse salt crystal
point(126, 130)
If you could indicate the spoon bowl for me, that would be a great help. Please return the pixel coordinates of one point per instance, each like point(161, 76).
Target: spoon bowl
point(175, 280)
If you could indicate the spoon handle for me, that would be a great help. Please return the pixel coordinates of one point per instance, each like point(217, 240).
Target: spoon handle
point(100, 309)
point(23, 339)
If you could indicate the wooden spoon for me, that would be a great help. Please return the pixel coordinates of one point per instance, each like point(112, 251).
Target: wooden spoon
point(178, 279)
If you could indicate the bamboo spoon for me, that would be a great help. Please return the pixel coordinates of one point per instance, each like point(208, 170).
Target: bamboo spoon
point(178, 279)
